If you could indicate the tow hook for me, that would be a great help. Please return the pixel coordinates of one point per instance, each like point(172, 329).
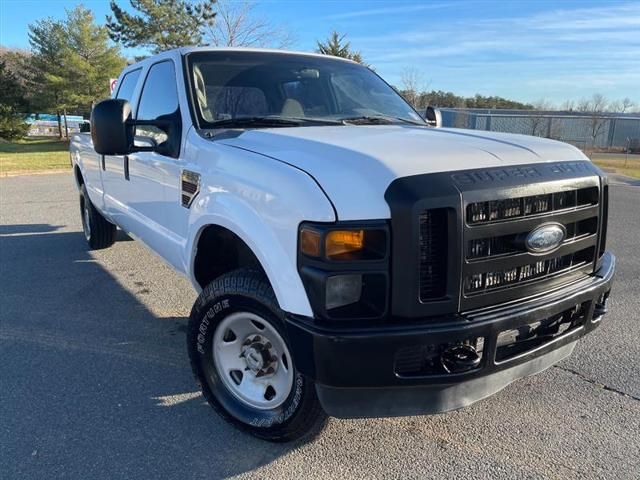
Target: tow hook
point(460, 358)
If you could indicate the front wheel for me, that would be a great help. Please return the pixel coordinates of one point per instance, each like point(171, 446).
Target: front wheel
point(98, 231)
point(242, 361)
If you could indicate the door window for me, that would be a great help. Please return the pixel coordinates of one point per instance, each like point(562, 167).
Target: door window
point(159, 102)
point(128, 85)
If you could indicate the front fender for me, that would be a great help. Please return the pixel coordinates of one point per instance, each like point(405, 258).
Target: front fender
point(266, 217)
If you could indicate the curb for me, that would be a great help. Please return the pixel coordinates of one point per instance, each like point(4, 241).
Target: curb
point(21, 173)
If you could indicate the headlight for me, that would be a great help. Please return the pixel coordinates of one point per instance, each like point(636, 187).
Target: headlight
point(344, 245)
point(339, 242)
point(344, 267)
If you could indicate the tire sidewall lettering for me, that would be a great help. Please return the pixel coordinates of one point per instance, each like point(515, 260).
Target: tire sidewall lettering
point(288, 411)
point(206, 322)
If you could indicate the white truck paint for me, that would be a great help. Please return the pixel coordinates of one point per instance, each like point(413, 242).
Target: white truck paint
point(357, 162)
point(341, 170)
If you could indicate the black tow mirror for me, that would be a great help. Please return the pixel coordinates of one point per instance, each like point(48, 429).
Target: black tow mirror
point(113, 131)
point(433, 116)
point(111, 127)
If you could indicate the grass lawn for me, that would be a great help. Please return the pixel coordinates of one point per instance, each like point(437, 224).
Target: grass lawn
point(39, 154)
point(616, 163)
point(33, 154)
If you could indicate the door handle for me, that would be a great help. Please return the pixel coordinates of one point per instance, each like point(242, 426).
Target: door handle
point(126, 167)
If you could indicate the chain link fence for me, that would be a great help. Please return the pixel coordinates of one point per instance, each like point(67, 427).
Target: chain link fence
point(585, 130)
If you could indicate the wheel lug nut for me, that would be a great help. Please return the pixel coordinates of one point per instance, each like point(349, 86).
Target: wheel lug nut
point(267, 345)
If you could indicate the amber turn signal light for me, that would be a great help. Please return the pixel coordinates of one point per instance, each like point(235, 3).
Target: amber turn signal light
point(339, 242)
point(310, 242)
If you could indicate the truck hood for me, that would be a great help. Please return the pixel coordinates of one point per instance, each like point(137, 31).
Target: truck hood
point(354, 165)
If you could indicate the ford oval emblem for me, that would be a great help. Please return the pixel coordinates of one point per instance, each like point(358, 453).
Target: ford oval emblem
point(545, 238)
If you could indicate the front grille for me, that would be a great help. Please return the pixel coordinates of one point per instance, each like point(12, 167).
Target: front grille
point(514, 243)
point(492, 280)
point(510, 208)
point(433, 253)
point(497, 265)
point(458, 239)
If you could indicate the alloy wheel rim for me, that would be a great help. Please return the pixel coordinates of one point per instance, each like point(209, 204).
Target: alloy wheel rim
point(253, 361)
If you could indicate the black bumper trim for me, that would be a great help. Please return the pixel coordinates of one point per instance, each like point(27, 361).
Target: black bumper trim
point(426, 400)
point(343, 361)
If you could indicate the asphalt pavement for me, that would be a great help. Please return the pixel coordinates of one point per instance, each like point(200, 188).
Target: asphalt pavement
point(95, 381)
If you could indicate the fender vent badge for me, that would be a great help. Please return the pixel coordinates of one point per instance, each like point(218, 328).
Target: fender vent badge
point(190, 187)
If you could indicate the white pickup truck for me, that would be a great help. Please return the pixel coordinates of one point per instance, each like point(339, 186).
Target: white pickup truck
point(351, 258)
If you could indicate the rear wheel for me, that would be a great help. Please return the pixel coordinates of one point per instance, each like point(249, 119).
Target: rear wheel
point(242, 361)
point(98, 231)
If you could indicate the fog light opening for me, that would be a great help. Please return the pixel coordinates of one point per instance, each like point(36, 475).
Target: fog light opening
point(460, 358)
point(343, 290)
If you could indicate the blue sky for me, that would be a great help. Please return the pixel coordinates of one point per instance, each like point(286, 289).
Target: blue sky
point(525, 50)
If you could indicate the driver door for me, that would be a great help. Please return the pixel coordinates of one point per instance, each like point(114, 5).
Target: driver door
point(149, 172)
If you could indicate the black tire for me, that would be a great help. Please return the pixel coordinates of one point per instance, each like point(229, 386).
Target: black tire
point(98, 231)
point(301, 414)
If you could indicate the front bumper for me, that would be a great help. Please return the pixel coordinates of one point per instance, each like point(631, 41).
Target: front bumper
point(356, 370)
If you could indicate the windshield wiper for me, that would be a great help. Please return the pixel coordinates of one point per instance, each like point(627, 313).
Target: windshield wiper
point(272, 121)
point(378, 120)
point(256, 122)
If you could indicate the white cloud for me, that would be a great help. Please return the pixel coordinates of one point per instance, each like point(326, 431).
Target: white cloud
point(561, 53)
point(398, 9)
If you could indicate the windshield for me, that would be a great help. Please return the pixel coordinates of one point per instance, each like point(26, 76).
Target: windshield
point(304, 90)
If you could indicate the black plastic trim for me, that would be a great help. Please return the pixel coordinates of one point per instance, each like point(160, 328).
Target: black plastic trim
point(126, 167)
point(314, 272)
point(363, 357)
point(408, 196)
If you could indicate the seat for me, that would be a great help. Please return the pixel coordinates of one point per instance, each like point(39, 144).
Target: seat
point(201, 94)
point(292, 108)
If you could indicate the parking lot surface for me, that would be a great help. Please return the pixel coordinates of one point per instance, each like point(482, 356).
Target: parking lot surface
point(95, 380)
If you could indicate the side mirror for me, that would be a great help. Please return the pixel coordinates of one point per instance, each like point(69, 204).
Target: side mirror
point(111, 128)
point(433, 117)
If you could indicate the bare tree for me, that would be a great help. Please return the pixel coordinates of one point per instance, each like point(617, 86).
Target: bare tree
point(583, 106)
point(537, 122)
point(555, 129)
point(412, 85)
point(627, 104)
point(595, 107)
point(237, 24)
point(568, 106)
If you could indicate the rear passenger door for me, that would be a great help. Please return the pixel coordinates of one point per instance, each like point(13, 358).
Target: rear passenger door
point(114, 176)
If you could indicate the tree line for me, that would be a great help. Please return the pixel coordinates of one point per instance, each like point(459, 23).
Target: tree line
point(70, 61)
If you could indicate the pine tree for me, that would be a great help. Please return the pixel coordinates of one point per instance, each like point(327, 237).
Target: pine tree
point(44, 71)
point(13, 105)
point(335, 45)
point(91, 60)
point(71, 63)
point(161, 24)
